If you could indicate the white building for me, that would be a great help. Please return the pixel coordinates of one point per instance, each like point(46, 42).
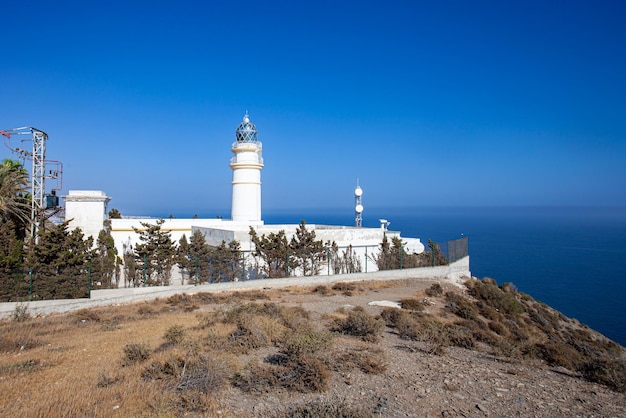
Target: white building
point(87, 209)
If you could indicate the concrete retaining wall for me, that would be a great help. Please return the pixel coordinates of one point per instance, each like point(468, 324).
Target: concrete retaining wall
point(454, 273)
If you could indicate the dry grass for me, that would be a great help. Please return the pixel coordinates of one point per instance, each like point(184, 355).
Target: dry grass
point(174, 356)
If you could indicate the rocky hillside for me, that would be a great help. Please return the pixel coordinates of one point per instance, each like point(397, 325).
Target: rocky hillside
point(403, 348)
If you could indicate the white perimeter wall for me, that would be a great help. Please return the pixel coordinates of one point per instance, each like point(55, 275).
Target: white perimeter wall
point(456, 273)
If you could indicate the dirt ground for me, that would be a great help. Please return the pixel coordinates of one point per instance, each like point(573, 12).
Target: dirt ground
point(459, 383)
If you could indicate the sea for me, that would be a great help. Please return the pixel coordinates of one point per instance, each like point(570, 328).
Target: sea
point(571, 258)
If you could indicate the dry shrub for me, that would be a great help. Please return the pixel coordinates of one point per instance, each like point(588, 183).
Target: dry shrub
point(29, 365)
point(460, 306)
point(434, 290)
point(255, 378)
point(434, 335)
point(544, 318)
point(237, 312)
point(359, 323)
point(218, 336)
point(184, 301)
point(193, 402)
point(460, 336)
point(607, 371)
point(412, 304)
point(488, 291)
point(208, 298)
point(406, 323)
point(169, 368)
point(304, 374)
point(146, 309)
point(556, 354)
point(488, 312)
point(322, 290)
point(206, 374)
point(304, 343)
point(249, 335)
point(205, 320)
point(346, 288)
point(295, 318)
point(480, 332)
point(18, 336)
point(105, 380)
point(86, 315)
point(499, 328)
point(251, 295)
point(175, 334)
point(110, 325)
point(368, 360)
point(324, 409)
point(135, 353)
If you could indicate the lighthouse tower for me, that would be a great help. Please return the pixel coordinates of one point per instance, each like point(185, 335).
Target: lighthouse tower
point(246, 165)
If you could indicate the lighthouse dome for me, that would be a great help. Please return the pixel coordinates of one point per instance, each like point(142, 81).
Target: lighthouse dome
point(246, 131)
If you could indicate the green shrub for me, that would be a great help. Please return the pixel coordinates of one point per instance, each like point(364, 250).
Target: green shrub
point(20, 313)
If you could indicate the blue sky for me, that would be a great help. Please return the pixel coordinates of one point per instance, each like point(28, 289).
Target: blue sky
point(449, 103)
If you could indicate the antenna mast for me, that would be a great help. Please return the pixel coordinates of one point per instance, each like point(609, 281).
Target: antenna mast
point(358, 206)
point(39, 203)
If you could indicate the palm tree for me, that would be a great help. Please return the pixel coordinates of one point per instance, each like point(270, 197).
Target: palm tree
point(14, 197)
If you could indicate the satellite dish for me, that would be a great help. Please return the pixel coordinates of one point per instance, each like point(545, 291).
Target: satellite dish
point(358, 208)
point(358, 191)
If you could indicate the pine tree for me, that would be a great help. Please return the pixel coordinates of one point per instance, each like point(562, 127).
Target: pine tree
point(156, 254)
point(274, 250)
point(60, 261)
point(131, 277)
point(307, 251)
point(105, 261)
point(194, 258)
point(13, 281)
point(226, 262)
point(183, 258)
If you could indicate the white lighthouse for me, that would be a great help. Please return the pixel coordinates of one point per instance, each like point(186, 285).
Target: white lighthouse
point(246, 165)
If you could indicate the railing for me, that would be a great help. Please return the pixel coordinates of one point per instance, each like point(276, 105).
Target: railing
point(77, 282)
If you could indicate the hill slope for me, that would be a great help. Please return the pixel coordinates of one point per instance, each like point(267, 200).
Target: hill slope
point(323, 351)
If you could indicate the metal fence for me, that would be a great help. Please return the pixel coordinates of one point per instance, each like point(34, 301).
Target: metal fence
point(455, 250)
point(28, 284)
point(20, 285)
